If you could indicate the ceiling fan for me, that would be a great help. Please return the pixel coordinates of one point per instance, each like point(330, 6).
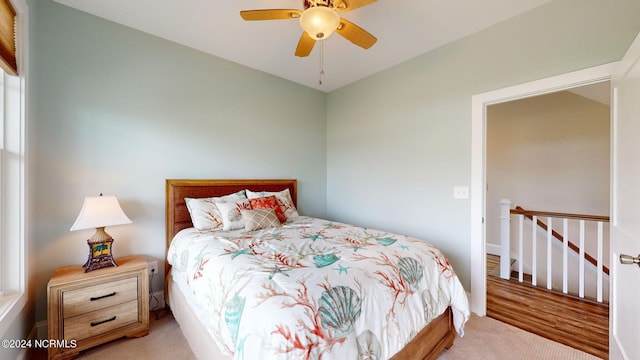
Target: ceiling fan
point(319, 20)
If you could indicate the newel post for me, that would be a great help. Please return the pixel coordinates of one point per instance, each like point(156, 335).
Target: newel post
point(505, 238)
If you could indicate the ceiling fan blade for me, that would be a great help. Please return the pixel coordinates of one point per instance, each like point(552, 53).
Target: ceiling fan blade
point(270, 14)
point(348, 5)
point(356, 34)
point(305, 45)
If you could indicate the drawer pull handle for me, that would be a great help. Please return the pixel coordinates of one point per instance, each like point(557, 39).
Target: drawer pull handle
point(102, 297)
point(102, 322)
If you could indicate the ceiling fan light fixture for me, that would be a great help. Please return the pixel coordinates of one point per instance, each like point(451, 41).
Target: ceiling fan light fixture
point(319, 22)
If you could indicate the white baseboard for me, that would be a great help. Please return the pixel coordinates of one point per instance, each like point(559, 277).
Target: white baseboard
point(493, 249)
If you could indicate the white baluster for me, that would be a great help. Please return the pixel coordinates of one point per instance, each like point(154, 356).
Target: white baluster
point(505, 239)
point(520, 248)
point(581, 290)
point(565, 253)
point(549, 257)
point(599, 284)
point(534, 249)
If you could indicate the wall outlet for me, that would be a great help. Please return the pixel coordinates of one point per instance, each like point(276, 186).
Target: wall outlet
point(153, 267)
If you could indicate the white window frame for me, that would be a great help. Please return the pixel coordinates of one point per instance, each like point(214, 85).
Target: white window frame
point(13, 180)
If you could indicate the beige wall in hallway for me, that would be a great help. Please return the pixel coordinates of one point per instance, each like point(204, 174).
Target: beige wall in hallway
point(548, 153)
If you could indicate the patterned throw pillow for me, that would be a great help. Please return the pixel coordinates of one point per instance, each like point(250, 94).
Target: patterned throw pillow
point(230, 213)
point(268, 202)
point(284, 200)
point(259, 219)
point(204, 212)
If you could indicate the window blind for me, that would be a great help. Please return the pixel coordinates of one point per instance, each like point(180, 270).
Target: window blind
point(8, 61)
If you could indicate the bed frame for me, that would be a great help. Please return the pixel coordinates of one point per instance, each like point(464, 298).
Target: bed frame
point(428, 344)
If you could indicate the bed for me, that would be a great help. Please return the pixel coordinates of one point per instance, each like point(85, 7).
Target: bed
point(305, 296)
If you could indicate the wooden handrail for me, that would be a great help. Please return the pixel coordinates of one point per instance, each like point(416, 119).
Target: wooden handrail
point(530, 213)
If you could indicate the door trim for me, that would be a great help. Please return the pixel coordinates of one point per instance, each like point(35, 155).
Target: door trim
point(479, 105)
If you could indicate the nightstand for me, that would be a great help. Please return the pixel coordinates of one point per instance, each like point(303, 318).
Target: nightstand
point(88, 309)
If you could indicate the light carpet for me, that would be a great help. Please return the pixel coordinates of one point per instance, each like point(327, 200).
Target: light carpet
point(485, 338)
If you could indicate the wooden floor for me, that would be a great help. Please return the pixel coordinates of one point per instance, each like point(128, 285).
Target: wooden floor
point(579, 323)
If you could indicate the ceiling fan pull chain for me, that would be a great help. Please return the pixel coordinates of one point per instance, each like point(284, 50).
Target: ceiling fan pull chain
point(321, 62)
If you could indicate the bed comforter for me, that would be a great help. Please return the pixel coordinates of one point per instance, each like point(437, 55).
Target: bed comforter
point(315, 289)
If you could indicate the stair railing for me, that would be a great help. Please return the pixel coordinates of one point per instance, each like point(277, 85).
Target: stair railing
point(534, 216)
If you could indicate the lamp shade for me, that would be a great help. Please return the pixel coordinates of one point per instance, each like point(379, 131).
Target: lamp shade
point(319, 22)
point(100, 211)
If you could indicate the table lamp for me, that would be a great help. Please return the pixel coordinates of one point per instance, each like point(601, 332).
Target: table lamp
point(98, 212)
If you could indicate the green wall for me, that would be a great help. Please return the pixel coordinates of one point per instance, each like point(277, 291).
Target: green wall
point(400, 140)
point(117, 111)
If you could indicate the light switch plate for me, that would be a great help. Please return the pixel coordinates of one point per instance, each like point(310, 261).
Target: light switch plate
point(460, 192)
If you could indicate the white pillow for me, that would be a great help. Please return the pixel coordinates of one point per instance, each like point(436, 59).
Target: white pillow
point(231, 216)
point(284, 200)
point(204, 212)
point(260, 219)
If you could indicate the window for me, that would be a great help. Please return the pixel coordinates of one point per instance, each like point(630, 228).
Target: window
point(13, 184)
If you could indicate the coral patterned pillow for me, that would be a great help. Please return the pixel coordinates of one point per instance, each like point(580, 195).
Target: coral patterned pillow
point(268, 202)
point(204, 212)
point(231, 215)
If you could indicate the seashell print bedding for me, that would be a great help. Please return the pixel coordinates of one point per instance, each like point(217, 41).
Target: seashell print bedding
point(315, 289)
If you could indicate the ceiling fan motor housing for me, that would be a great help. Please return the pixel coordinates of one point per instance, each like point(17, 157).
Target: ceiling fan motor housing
point(312, 3)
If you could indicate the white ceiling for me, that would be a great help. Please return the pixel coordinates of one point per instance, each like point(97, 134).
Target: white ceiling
point(404, 30)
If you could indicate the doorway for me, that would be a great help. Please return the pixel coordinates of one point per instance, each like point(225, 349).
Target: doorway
point(478, 164)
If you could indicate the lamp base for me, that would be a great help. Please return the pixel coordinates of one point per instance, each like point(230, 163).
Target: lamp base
point(100, 255)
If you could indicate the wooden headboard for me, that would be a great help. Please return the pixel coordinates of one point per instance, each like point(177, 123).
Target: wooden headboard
point(177, 215)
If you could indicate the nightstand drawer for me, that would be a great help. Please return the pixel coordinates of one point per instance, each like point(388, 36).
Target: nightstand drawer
point(97, 306)
point(91, 298)
point(100, 321)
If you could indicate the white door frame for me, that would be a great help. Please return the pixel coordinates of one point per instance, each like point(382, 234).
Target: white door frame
point(479, 105)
